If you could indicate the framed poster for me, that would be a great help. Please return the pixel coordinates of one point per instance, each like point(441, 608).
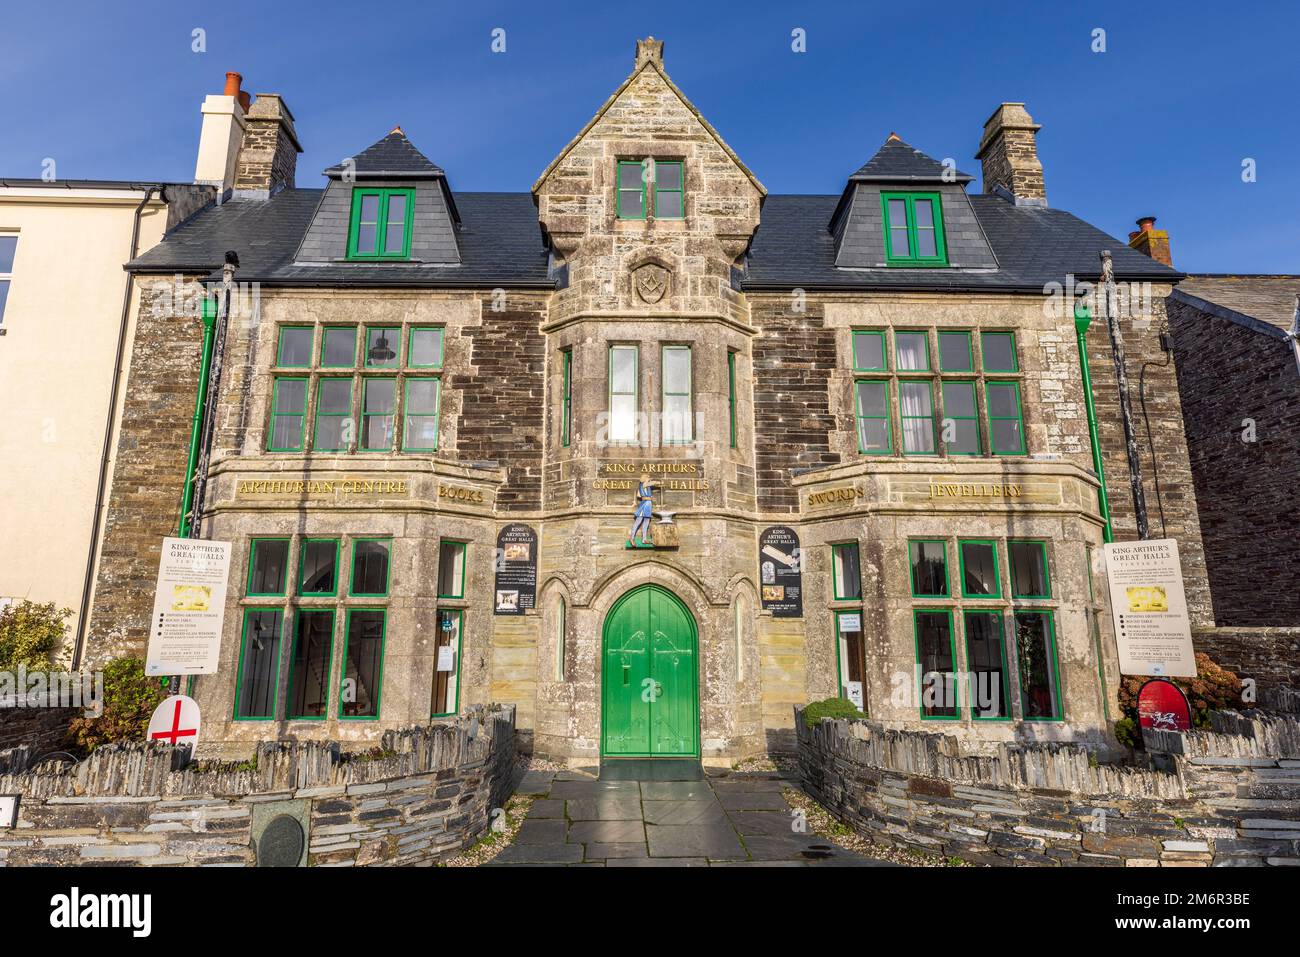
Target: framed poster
point(516, 567)
point(189, 607)
point(780, 572)
point(1149, 608)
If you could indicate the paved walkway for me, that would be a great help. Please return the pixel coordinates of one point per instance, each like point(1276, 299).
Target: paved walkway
point(728, 819)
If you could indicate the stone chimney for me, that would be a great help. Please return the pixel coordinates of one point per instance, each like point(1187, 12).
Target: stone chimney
point(649, 50)
point(221, 135)
point(1154, 242)
point(268, 156)
point(1009, 155)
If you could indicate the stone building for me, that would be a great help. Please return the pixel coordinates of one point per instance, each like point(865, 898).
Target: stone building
point(861, 417)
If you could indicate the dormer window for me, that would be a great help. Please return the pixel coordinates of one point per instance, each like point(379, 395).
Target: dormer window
point(638, 178)
point(913, 229)
point(381, 224)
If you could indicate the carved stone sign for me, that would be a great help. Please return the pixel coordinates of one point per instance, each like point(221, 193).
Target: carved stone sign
point(651, 282)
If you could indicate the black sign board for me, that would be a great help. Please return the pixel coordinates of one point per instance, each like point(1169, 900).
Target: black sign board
point(780, 572)
point(516, 584)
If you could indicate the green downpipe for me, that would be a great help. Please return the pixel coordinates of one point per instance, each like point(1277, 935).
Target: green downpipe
point(1083, 319)
point(200, 401)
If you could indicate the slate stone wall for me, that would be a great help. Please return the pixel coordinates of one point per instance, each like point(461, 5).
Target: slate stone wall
point(1223, 797)
point(40, 729)
point(1270, 656)
point(428, 794)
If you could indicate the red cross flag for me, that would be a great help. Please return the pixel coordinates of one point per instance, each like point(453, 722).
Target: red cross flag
point(175, 721)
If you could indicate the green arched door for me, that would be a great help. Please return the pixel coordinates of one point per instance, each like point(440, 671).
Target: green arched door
point(649, 705)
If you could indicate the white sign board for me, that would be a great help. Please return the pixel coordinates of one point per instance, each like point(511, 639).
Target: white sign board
point(175, 721)
point(446, 658)
point(854, 690)
point(8, 810)
point(189, 607)
point(1149, 608)
point(850, 623)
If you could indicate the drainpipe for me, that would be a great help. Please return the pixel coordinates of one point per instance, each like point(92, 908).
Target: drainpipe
point(106, 452)
point(1083, 319)
point(1126, 411)
point(196, 426)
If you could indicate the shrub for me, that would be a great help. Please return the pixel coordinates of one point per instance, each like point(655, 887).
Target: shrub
point(1214, 688)
point(130, 698)
point(1126, 731)
point(29, 633)
point(830, 708)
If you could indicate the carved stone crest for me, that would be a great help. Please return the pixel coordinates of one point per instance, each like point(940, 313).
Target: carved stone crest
point(651, 281)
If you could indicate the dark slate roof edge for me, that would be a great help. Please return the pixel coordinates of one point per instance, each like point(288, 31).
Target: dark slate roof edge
point(123, 184)
point(958, 177)
point(1231, 315)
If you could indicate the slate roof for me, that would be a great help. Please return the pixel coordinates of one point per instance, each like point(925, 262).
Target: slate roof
point(898, 162)
point(394, 155)
point(1266, 299)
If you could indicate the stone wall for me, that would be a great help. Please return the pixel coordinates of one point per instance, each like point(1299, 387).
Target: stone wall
point(41, 729)
point(1246, 490)
point(1271, 656)
point(1223, 797)
point(426, 793)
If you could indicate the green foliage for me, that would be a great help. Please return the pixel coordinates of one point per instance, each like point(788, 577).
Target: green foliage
point(1214, 688)
point(830, 708)
point(1126, 731)
point(29, 632)
point(130, 698)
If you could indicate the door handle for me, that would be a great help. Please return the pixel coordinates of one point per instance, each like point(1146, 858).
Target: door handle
point(627, 670)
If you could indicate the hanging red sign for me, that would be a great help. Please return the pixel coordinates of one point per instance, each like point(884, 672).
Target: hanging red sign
point(1162, 706)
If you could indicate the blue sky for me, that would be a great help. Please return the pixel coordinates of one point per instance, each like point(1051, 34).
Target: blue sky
point(1158, 124)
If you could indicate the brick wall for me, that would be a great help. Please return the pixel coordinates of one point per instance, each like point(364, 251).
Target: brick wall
point(794, 356)
point(1250, 510)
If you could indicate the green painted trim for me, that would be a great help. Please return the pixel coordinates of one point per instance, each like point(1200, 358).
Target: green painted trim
point(731, 396)
point(913, 258)
point(324, 337)
point(911, 574)
point(835, 548)
point(209, 312)
point(975, 417)
point(442, 347)
point(933, 417)
point(1059, 696)
point(1002, 649)
point(619, 189)
point(302, 564)
point(997, 570)
point(381, 224)
point(884, 350)
point(1015, 356)
point(329, 664)
point(436, 414)
point(681, 178)
point(839, 664)
point(970, 349)
point(1047, 569)
point(952, 654)
point(239, 668)
point(1018, 418)
point(276, 413)
point(566, 397)
point(1082, 319)
point(252, 564)
point(636, 392)
point(379, 684)
point(464, 565)
point(318, 414)
point(367, 381)
point(859, 417)
point(460, 642)
point(689, 393)
point(388, 568)
point(279, 348)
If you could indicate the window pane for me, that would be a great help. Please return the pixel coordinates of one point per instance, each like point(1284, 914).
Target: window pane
point(677, 418)
point(8, 249)
point(934, 654)
point(929, 568)
point(872, 399)
point(869, 350)
point(362, 667)
point(367, 237)
point(393, 238)
point(290, 395)
point(629, 204)
point(340, 347)
point(966, 437)
point(912, 351)
point(1002, 400)
point(677, 370)
point(295, 346)
point(1028, 569)
point(873, 416)
point(916, 404)
point(924, 212)
point(898, 246)
point(925, 234)
point(622, 418)
point(422, 396)
point(984, 659)
point(318, 572)
point(370, 208)
point(270, 563)
point(668, 205)
point(451, 570)
point(446, 669)
point(954, 352)
point(999, 350)
point(286, 433)
point(629, 176)
point(377, 414)
point(1037, 658)
point(622, 377)
point(333, 410)
point(1006, 436)
point(959, 398)
point(848, 574)
point(421, 414)
point(426, 348)
point(668, 175)
point(259, 670)
point(309, 676)
point(335, 396)
point(370, 567)
point(979, 569)
point(395, 230)
point(4, 297)
point(381, 347)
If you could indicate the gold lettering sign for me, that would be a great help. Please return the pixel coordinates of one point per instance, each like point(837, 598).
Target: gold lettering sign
point(833, 495)
point(321, 487)
point(458, 493)
point(974, 490)
point(670, 476)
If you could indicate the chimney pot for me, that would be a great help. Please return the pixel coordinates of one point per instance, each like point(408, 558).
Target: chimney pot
point(1150, 241)
point(1146, 223)
point(233, 81)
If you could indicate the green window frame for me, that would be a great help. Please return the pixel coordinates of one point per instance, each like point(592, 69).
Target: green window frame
point(862, 351)
point(914, 230)
point(1022, 566)
point(254, 547)
point(566, 396)
point(914, 439)
point(386, 219)
point(1038, 701)
point(618, 398)
point(307, 565)
point(979, 661)
point(992, 545)
point(986, 338)
point(846, 569)
point(334, 334)
point(443, 690)
point(287, 422)
point(916, 553)
point(378, 411)
point(948, 390)
point(992, 389)
point(879, 412)
point(329, 419)
point(952, 686)
point(300, 659)
point(677, 426)
point(387, 567)
point(355, 659)
point(415, 345)
point(847, 648)
point(956, 336)
point(417, 416)
point(678, 192)
point(451, 584)
point(287, 336)
point(731, 398)
point(264, 681)
point(623, 189)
